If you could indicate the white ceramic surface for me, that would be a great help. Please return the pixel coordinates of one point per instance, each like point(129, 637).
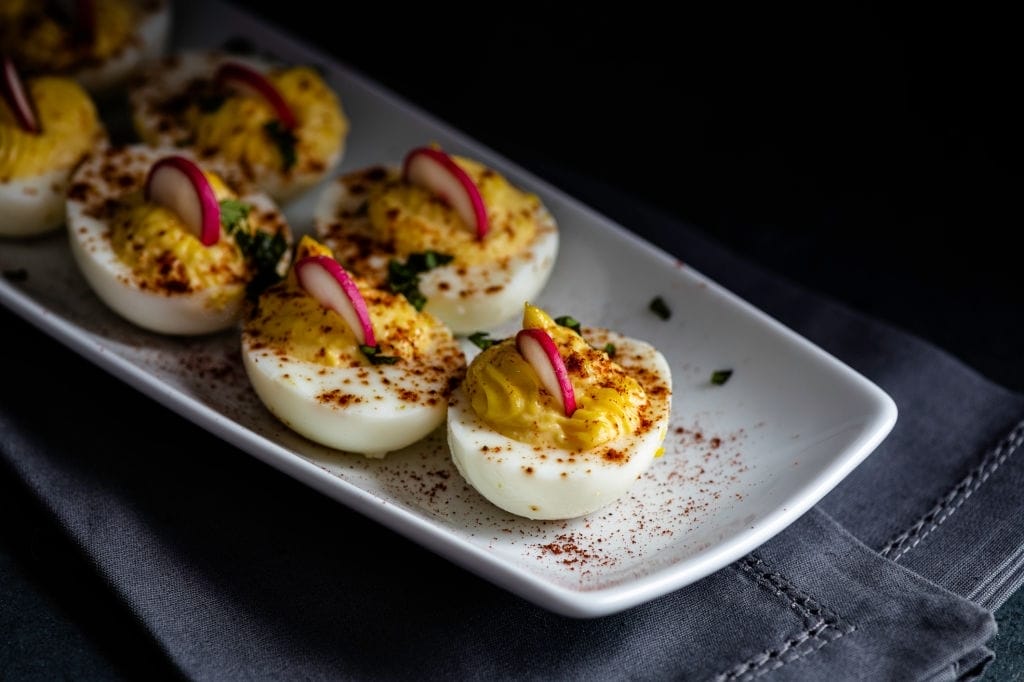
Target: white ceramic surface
point(742, 461)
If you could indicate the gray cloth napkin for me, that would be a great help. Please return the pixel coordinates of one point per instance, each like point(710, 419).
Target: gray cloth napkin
point(239, 572)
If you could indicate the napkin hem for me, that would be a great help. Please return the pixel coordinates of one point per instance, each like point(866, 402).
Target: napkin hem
point(843, 592)
point(822, 625)
point(956, 497)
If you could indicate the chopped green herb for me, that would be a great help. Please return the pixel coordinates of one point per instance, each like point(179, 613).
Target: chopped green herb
point(404, 278)
point(372, 354)
point(233, 212)
point(405, 281)
point(570, 322)
point(265, 252)
point(427, 260)
point(261, 249)
point(483, 340)
point(660, 308)
point(285, 141)
point(720, 376)
point(609, 348)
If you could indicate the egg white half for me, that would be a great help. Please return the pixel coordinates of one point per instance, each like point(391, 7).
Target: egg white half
point(348, 403)
point(465, 298)
point(550, 483)
point(356, 409)
point(32, 206)
point(168, 77)
point(114, 171)
point(148, 41)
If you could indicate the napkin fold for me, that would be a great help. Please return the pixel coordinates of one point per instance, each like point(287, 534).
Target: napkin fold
point(240, 572)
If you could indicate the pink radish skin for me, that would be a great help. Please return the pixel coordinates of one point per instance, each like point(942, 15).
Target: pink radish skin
point(326, 281)
point(247, 78)
point(179, 184)
point(434, 170)
point(537, 347)
point(17, 98)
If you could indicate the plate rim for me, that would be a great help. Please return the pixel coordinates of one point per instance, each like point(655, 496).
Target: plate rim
point(577, 603)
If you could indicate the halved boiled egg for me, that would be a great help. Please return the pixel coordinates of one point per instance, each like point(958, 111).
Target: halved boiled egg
point(555, 424)
point(167, 244)
point(99, 43)
point(280, 127)
point(47, 125)
point(451, 234)
point(344, 364)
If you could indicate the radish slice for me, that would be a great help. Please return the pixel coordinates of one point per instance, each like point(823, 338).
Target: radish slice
point(326, 281)
point(537, 347)
point(246, 78)
point(434, 170)
point(17, 98)
point(180, 185)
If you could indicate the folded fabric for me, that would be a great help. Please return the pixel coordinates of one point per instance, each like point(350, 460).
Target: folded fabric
point(240, 572)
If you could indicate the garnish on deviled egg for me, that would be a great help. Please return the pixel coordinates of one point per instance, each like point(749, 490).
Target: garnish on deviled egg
point(165, 242)
point(549, 425)
point(491, 244)
point(99, 43)
point(345, 364)
point(47, 125)
point(280, 127)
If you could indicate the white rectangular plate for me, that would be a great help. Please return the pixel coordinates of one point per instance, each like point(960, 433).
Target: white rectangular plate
point(742, 461)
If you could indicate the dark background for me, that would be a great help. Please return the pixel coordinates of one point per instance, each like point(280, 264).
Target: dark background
point(872, 154)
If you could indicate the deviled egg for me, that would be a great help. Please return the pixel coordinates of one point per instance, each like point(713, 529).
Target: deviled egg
point(47, 125)
point(167, 244)
point(556, 423)
point(346, 365)
point(99, 43)
point(451, 234)
point(280, 127)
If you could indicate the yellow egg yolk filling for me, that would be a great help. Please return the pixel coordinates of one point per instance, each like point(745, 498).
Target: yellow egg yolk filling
point(414, 219)
point(70, 128)
point(165, 256)
point(237, 129)
point(43, 42)
point(293, 321)
point(506, 393)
